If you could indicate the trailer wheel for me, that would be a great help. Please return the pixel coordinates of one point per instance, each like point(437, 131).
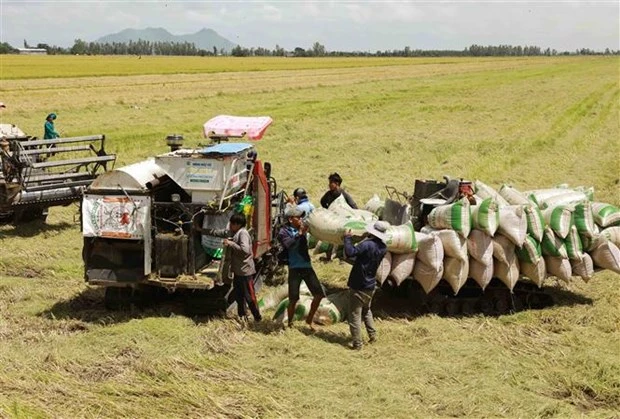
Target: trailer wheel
point(118, 298)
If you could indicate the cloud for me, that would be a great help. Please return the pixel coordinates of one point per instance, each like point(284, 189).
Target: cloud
point(339, 25)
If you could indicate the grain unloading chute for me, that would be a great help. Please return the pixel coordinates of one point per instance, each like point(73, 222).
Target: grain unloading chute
point(38, 174)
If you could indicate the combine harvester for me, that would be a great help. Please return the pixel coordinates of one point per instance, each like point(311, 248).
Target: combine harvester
point(142, 223)
point(38, 174)
point(458, 247)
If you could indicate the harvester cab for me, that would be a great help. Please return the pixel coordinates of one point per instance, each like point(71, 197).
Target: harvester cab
point(145, 225)
point(38, 174)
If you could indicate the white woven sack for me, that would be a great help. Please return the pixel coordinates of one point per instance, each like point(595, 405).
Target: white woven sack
point(454, 245)
point(513, 196)
point(552, 245)
point(503, 248)
point(482, 273)
point(508, 273)
point(612, 234)
point(535, 221)
point(530, 251)
point(455, 271)
point(480, 246)
point(559, 218)
point(539, 196)
point(430, 250)
point(605, 215)
point(484, 191)
point(374, 204)
point(485, 216)
point(328, 226)
point(427, 276)
point(570, 197)
point(591, 243)
point(384, 269)
point(583, 268)
point(537, 272)
point(402, 238)
point(558, 267)
point(341, 207)
point(402, 267)
point(454, 216)
point(607, 256)
point(583, 219)
point(574, 249)
point(513, 224)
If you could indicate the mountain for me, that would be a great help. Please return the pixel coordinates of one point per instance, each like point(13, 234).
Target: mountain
point(204, 39)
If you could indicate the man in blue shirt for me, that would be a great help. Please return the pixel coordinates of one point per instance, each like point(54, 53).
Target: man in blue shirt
point(303, 202)
point(293, 238)
point(368, 254)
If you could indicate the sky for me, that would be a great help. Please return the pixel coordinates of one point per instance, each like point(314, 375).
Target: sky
point(339, 25)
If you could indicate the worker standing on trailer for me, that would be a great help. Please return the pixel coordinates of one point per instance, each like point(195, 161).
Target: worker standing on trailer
point(293, 238)
point(362, 283)
point(335, 190)
point(50, 131)
point(241, 264)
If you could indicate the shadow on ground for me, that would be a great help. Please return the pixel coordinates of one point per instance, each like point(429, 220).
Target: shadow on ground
point(35, 228)
point(89, 306)
point(407, 301)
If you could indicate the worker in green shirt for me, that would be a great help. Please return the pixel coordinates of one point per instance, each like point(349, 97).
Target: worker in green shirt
point(50, 131)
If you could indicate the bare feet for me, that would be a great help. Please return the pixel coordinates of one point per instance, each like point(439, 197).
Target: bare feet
point(311, 325)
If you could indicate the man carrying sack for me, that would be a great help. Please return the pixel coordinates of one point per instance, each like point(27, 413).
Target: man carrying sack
point(368, 254)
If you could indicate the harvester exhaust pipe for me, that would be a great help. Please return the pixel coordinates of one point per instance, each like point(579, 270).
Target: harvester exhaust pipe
point(174, 141)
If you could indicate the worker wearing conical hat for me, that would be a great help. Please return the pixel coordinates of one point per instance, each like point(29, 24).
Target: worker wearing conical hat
point(50, 131)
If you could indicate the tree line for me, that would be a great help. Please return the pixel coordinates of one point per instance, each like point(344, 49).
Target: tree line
point(143, 47)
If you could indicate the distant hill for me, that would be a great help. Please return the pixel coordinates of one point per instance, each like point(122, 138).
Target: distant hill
point(203, 39)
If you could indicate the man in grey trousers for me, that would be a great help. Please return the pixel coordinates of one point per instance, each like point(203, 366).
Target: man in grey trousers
point(368, 254)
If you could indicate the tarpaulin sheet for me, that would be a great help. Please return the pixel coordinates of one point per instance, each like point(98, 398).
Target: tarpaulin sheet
point(235, 126)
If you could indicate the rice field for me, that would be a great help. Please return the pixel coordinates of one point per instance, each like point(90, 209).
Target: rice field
point(529, 122)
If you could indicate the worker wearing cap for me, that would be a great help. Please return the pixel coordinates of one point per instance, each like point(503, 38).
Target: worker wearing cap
point(300, 198)
point(368, 254)
point(292, 236)
point(50, 131)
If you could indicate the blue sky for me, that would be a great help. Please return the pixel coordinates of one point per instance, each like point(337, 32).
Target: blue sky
point(339, 25)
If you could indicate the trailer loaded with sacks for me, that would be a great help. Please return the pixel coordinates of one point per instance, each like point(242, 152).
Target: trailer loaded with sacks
point(464, 247)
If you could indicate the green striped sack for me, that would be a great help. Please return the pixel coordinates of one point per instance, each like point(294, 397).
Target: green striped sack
point(485, 216)
point(530, 252)
point(552, 245)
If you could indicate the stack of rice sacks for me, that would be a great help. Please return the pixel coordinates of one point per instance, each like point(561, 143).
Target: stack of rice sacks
point(507, 234)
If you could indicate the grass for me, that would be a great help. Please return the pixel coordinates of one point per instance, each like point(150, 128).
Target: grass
point(529, 122)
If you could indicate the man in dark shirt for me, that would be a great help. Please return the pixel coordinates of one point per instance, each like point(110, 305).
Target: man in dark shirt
point(293, 238)
point(368, 254)
point(335, 190)
point(239, 241)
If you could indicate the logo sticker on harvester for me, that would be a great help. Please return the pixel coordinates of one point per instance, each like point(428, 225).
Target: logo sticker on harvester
point(200, 172)
point(116, 216)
